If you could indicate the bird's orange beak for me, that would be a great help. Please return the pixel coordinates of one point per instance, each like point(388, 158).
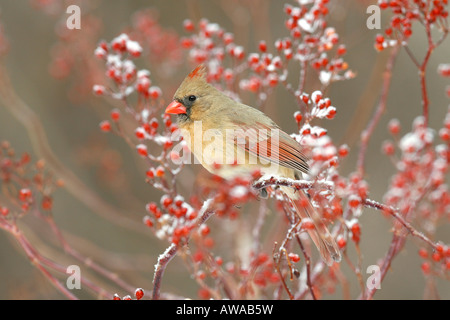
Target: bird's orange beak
point(175, 108)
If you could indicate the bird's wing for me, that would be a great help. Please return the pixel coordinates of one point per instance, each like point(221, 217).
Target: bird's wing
point(268, 142)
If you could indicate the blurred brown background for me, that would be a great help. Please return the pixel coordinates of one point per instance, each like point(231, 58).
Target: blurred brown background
point(72, 130)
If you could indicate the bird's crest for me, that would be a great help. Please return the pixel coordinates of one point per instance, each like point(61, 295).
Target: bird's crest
point(199, 72)
point(195, 83)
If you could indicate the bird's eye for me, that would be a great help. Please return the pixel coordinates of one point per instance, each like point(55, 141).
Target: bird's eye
point(192, 98)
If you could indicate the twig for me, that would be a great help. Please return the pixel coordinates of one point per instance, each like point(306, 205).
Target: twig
point(392, 211)
point(367, 133)
point(308, 267)
point(160, 267)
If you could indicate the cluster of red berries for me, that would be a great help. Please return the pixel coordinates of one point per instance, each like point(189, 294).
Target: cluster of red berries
point(421, 175)
point(404, 14)
point(229, 194)
point(161, 45)
point(421, 165)
point(138, 295)
point(210, 44)
point(118, 55)
point(27, 184)
point(172, 219)
point(436, 261)
point(311, 41)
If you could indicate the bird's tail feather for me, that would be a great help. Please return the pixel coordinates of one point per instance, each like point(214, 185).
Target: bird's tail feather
point(324, 241)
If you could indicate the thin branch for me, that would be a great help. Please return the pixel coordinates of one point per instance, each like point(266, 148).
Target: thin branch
point(307, 266)
point(367, 133)
point(395, 213)
point(25, 115)
point(163, 260)
point(304, 185)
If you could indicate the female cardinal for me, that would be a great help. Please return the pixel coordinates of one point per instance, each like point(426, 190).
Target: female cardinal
point(242, 140)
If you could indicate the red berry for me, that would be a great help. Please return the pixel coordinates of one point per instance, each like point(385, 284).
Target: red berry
point(148, 222)
point(200, 275)
point(341, 50)
point(294, 257)
point(204, 230)
point(4, 211)
point(298, 116)
point(354, 201)
point(444, 134)
point(154, 92)
point(343, 150)
point(151, 207)
point(219, 261)
point(167, 201)
point(99, 90)
point(168, 144)
point(47, 203)
point(143, 84)
point(426, 267)
point(150, 173)
point(188, 25)
point(204, 293)
point(423, 253)
point(139, 293)
point(355, 228)
point(341, 242)
point(388, 148)
point(159, 172)
point(154, 123)
point(436, 256)
point(142, 150)
point(394, 126)
point(198, 256)
point(331, 112)
point(307, 224)
point(105, 126)
point(140, 133)
point(262, 46)
point(24, 194)
point(379, 39)
point(115, 115)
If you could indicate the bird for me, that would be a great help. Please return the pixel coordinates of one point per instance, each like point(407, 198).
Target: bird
point(242, 140)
